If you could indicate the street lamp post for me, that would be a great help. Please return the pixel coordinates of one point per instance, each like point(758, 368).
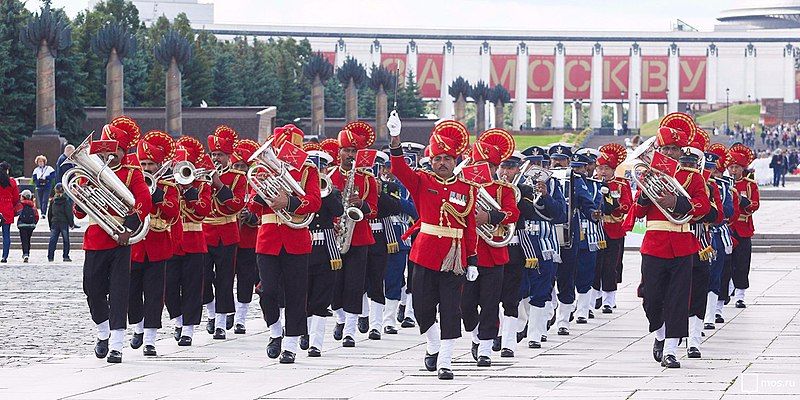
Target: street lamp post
point(727, 111)
point(636, 111)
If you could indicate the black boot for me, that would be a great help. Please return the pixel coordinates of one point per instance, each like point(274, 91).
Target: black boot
point(475, 351)
point(693, 352)
point(239, 329)
point(401, 313)
point(177, 333)
point(229, 322)
point(374, 335)
point(484, 361)
point(389, 330)
point(430, 361)
point(598, 302)
point(563, 331)
point(445, 374)
point(304, 342)
point(581, 320)
point(532, 344)
point(219, 334)
point(740, 304)
point(718, 319)
point(709, 326)
point(506, 353)
point(591, 314)
point(274, 347)
point(210, 326)
point(523, 334)
point(101, 348)
point(149, 350)
point(363, 324)
point(185, 341)
point(607, 309)
point(348, 342)
point(497, 343)
point(314, 352)
point(287, 357)
point(338, 330)
point(114, 357)
point(658, 350)
point(408, 323)
point(670, 361)
point(137, 340)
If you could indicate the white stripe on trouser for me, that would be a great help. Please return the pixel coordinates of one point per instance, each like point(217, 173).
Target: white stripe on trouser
point(276, 329)
point(115, 340)
point(661, 333)
point(582, 305)
point(150, 336)
point(433, 339)
point(211, 308)
point(509, 333)
point(562, 314)
point(738, 294)
point(410, 308)
point(364, 306)
point(103, 330)
point(283, 316)
point(711, 306)
point(220, 321)
point(537, 323)
point(339, 314)
point(610, 299)
point(523, 309)
point(485, 348)
point(695, 331)
point(316, 331)
point(446, 353)
point(350, 323)
point(188, 331)
point(291, 343)
point(139, 327)
point(375, 316)
point(671, 346)
point(390, 312)
point(178, 321)
point(241, 313)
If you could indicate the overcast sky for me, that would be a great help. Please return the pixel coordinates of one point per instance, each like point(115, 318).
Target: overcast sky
point(625, 15)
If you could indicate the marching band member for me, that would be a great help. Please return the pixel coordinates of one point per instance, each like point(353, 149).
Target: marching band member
point(282, 251)
point(484, 291)
point(740, 158)
point(106, 270)
point(616, 205)
point(592, 237)
point(246, 271)
point(185, 275)
point(221, 229)
point(149, 256)
point(349, 288)
point(667, 248)
point(414, 154)
point(445, 247)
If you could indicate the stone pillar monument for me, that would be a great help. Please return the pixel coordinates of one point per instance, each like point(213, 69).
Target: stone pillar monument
point(596, 87)
point(673, 78)
point(558, 88)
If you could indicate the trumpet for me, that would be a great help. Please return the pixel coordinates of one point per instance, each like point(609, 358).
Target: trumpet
point(654, 182)
point(152, 179)
point(185, 173)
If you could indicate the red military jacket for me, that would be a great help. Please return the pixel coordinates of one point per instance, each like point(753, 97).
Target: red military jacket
point(274, 236)
point(221, 227)
point(502, 192)
point(447, 203)
point(187, 233)
point(95, 237)
point(613, 223)
point(367, 187)
point(743, 223)
point(157, 245)
point(662, 243)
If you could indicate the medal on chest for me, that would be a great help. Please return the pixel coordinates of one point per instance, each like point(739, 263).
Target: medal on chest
point(458, 199)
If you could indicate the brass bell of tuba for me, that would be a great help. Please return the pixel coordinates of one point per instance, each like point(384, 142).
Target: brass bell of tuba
point(654, 182)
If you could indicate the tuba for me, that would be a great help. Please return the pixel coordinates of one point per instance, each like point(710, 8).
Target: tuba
point(325, 184)
point(98, 191)
point(487, 231)
point(654, 182)
point(347, 222)
point(269, 176)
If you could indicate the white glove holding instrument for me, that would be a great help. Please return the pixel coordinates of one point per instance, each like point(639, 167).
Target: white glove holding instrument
point(394, 124)
point(472, 273)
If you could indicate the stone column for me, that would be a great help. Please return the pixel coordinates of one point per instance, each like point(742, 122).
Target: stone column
point(712, 53)
point(558, 88)
point(375, 50)
point(341, 53)
point(575, 121)
point(635, 86)
point(673, 78)
point(537, 119)
point(485, 53)
point(750, 54)
point(788, 74)
point(411, 59)
point(445, 101)
point(618, 113)
point(596, 87)
point(579, 116)
point(115, 87)
point(45, 92)
point(173, 103)
point(520, 116)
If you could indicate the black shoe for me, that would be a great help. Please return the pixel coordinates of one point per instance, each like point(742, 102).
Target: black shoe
point(598, 302)
point(709, 326)
point(534, 344)
point(740, 304)
point(563, 331)
point(551, 321)
point(374, 335)
point(718, 319)
point(274, 347)
point(149, 350)
point(591, 314)
point(185, 341)
point(348, 342)
point(338, 330)
point(506, 353)
point(3, 261)
point(430, 361)
point(571, 316)
point(543, 338)
point(314, 352)
point(484, 361)
point(304, 342)
point(693, 352)
point(389, 330)
point(408, 323)
point(67, 259)
point(239, 329)
point(101, 348)
point(581, 320)
point(363, 324)
point(445, 374)
point(523, 334)
point(210, 326)
point(114, 357)
point(497, 343)
point(401, 313)
point(670, 362)
point(229, 322)
point(658, 350)
point(607, 309)
point(137, 340)
point(475, 351)
point(219, 334)
point(287, 357)
point(177, 333)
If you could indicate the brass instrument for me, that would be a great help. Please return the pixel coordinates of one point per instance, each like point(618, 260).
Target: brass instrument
point(325, 184)
point(102, 195)
point(487, 231)
point(152, 179)
point(654, 182)
point(185, 173)
point(564, 231)
point(534, 174)
point(269, 176)
point(347, 221)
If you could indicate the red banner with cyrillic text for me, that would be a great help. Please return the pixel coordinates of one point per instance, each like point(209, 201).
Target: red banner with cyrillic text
point(504, 72)
point(541, 76)
point(393, 61)
point(692, 80)
point(429, 74)
point(654, 77)
point(616, 71)
point(577, 77)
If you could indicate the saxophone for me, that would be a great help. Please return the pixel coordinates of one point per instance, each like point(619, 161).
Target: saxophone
point(347, 221)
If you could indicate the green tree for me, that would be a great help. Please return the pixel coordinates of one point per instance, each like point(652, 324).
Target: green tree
point(409, 103)
point(334, 99)
point(227, 88)
point(70, 88)
point(200, 69)
point(288, 57)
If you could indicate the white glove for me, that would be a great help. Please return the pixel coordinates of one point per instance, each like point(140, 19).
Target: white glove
point(472, 273)
point(394, 124)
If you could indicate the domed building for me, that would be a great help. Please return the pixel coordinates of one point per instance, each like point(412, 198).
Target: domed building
point(761, 14)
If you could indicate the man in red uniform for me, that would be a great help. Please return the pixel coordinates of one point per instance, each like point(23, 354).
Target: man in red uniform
point(246, 269)
point(221, 229)
point(742, 227)
point(445, 247)
point(106, 270)
point(350, 282)
point(149, 257)
point(184, 287)
point(282, 251)
point(493, 147)
point(667, 247)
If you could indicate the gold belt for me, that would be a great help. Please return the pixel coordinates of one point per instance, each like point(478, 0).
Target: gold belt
point(744, 218)
point(441, 231)
point(667, 226)
point(192, 227)
point(270, 219)
point(159, 225)
point(610, 219)
point(226, 219)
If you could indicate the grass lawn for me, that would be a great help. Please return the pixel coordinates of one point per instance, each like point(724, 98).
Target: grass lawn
point(745, 114)
point(525, 141)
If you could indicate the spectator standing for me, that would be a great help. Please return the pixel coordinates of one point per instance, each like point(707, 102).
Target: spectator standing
point(59, 216)
point(9, 201)
point(43, 177)
point(26, 222)
point(779, 166)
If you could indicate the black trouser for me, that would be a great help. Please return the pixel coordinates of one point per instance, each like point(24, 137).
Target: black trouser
point(184, 294)
point(349, 281)
point(665, 293)
point(619, 263)
point(698, 297)
point(484, 292)
point(320, 289)
point(147, 293)
point(219, 271)
point(510, 294)
point(606, 275)
point(410, 275)
point(565, 273)
point(25, 238)
point(741, 262)
point(443, 289)
point(246, 274)
point(377, 259)
point(284, 276)
point(725, 280)
point(106, 281)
